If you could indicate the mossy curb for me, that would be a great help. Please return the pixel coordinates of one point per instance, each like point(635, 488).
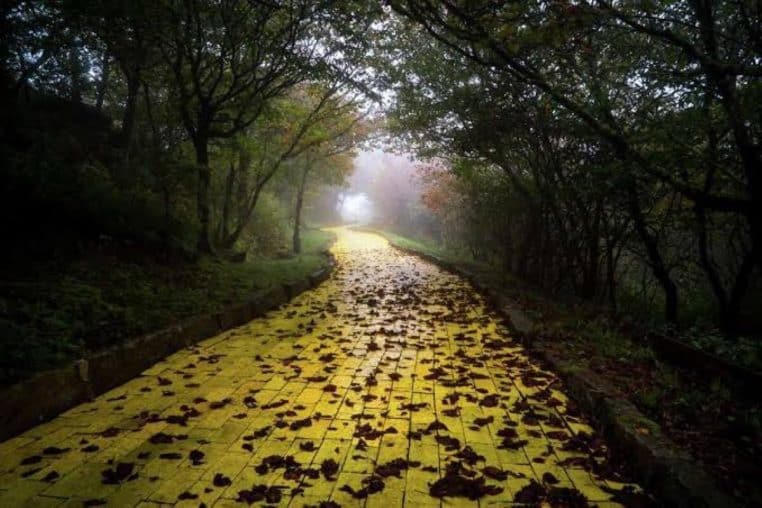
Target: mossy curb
point(49, 393)
point(665, 471)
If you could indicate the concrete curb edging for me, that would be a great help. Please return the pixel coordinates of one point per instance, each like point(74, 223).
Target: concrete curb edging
point(667, 472)
point(50, 393)
point(674, 351)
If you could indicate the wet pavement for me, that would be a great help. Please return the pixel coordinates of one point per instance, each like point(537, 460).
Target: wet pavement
point(391, 384)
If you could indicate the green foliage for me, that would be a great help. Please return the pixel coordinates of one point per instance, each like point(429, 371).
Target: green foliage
point(611, 343)
point(129, 134)
point(267, 234)
point(60, 311)
point(430, 248)
point(626, 154)
point(744, 351)
point(708, 415)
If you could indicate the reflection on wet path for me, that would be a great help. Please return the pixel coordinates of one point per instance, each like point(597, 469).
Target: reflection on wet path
point(390, 384)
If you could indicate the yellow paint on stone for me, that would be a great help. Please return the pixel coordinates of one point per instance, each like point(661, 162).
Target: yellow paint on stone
point(378, 346)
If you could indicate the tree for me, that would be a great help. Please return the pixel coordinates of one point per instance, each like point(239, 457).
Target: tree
point(327, 163)
point(228, 61)
point(126, 32)
point(312, 117)
point(624, 73)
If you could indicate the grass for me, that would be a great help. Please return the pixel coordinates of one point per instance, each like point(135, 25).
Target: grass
point(426, 247)
point(57, 312)
point(431, 248)
point(564, 311)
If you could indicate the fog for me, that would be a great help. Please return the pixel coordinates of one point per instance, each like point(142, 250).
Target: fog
point(384, 189)
point(355, 208)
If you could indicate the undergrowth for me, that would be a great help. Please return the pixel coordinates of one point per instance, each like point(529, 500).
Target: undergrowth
point(53, 312)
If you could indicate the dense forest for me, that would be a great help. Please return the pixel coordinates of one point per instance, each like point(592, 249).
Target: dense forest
point(149, 98)
point(138, 137)
point(162, 158)
point(609, 148)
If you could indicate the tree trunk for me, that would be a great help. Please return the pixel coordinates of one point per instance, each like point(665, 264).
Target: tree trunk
point(728, 302)
point(526, 247)
point(750, 153)
point(658, 267)
point(244, 217)
point(508, 247)
point(249, 204)
point(103, 83)
point(75, 74)
point(155, 141)
point(298, 211)
point(592, 257)
point(201, 144)
point(129, 115)
point(610, 275)
point(224, 230)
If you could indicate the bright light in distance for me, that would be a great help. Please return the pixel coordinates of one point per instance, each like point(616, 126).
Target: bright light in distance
point(356, 208)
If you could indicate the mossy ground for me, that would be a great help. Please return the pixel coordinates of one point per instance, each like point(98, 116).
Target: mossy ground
point(53, 311)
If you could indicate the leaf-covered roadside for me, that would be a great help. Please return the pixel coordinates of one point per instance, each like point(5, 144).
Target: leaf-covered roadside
point(402, 388)
point(709, 417)
point(55, 312)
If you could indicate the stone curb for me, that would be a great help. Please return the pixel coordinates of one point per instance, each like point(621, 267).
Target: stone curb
point(669, 349)
point(668, 473)
point(49, 393)
point(747, 380)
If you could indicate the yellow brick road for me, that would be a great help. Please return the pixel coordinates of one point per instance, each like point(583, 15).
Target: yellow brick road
point(391, 384)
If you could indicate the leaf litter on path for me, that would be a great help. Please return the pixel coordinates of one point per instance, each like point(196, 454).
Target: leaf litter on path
point(391, 355)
